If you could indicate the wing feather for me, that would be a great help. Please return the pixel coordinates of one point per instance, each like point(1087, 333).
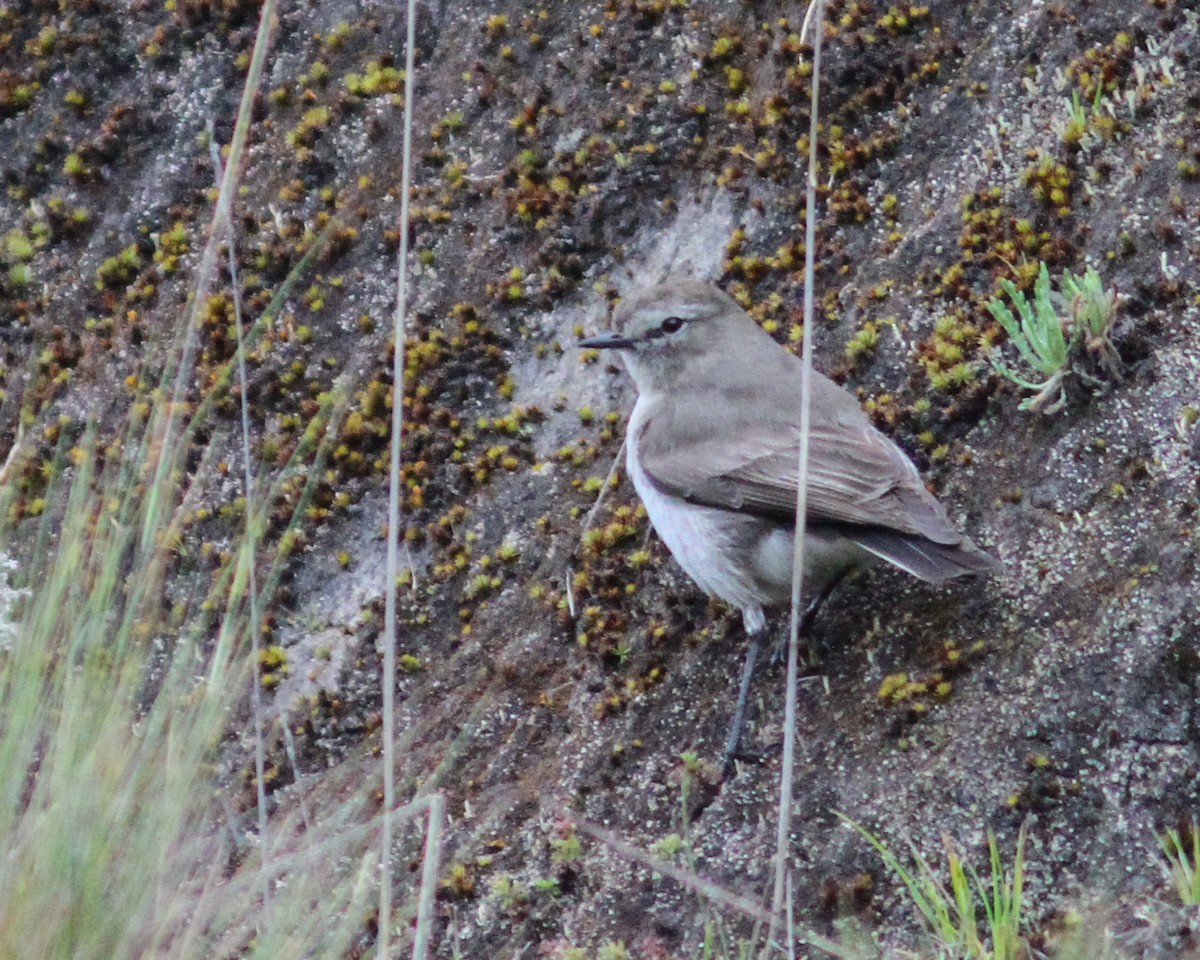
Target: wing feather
point(856, 474)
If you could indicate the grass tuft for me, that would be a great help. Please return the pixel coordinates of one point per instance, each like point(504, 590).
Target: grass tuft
point(1181, 851)
point(951, 912)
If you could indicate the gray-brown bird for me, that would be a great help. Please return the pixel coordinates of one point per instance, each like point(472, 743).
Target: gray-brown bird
point(712, 449)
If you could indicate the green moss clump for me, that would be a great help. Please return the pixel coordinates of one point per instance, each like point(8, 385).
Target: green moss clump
point(378, 79)
point(119, 271)
point(305, 133)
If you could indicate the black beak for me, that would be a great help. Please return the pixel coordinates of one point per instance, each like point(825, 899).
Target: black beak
point(608, 340)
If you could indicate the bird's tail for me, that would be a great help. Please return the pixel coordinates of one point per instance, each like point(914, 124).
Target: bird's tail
point(932, 562)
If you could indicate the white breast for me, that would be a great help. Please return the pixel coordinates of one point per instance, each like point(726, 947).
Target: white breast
point(701, 539)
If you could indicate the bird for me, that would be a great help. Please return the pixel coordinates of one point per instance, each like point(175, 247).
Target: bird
point(712, 450)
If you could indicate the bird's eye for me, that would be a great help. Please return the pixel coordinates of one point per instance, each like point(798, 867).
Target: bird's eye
point(672, 325)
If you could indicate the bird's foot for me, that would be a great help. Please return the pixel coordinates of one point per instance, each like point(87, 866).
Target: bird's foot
point(755, 757)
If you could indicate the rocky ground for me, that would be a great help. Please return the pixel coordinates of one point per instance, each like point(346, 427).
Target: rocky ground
point(566, 154)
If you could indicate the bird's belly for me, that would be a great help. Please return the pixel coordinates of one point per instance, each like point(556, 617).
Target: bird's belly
point(714, 547)
point(701, 539)
point(827, 555)
point(743, 559)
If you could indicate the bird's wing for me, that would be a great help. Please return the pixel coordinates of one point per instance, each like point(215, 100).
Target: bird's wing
point(856, 475)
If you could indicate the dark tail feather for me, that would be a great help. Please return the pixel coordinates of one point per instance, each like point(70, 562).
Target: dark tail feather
point(932, 562)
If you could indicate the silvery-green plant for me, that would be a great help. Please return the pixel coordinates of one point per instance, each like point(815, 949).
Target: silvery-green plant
point(1047, 330)
point(1076, 128)
point(1039, 338)
point(1092, 310)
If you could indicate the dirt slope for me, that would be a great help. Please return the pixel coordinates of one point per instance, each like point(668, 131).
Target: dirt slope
point(568, 153)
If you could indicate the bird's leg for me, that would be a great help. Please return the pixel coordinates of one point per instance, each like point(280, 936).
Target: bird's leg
point(739, 713)
point(814, 605)
point(807, 618)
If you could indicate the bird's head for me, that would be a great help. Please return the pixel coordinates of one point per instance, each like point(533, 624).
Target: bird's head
point(668, 333)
